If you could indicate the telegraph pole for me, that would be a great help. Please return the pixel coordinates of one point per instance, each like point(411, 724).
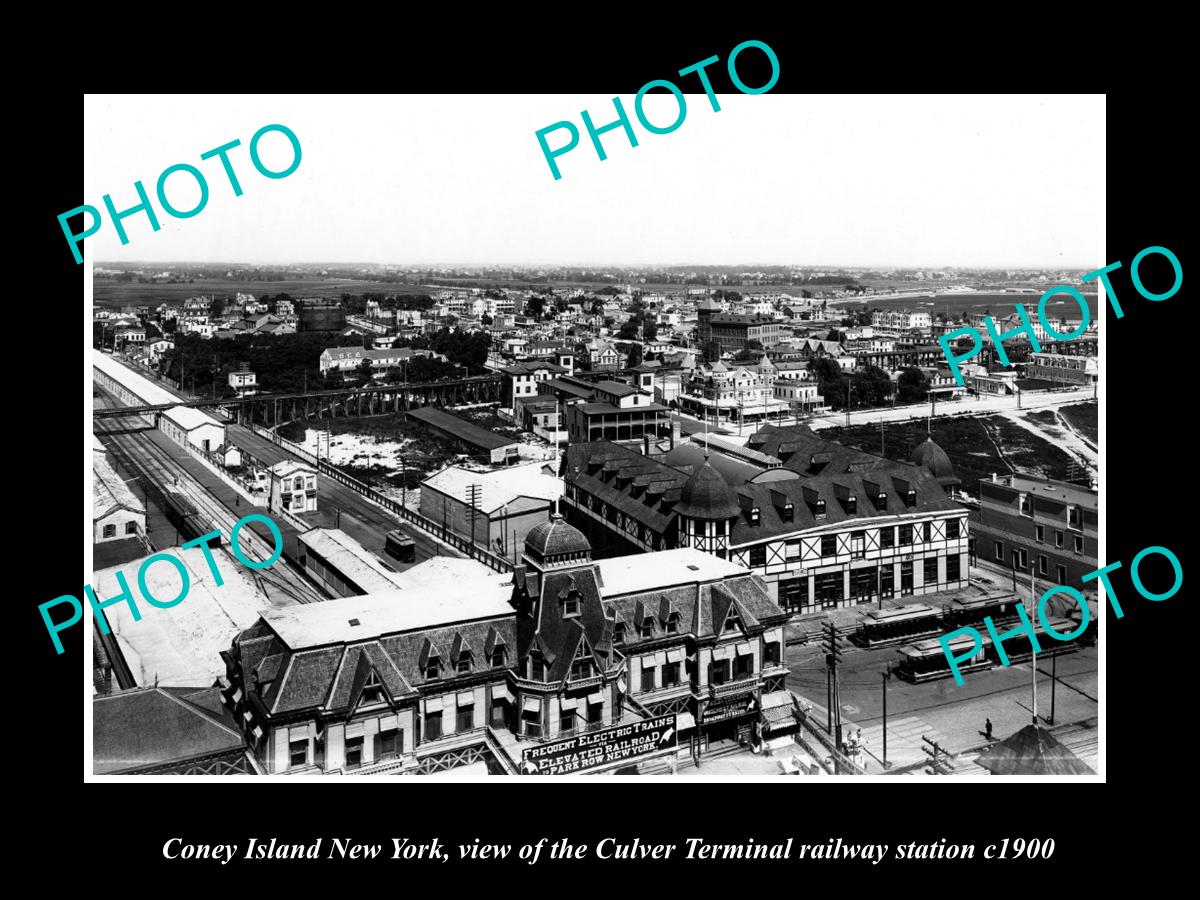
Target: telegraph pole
point(887, 674)
point(833, 655)
point(939, 758)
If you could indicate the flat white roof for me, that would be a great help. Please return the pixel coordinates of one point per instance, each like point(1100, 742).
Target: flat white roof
point(351, 558)
point(499, 487)
point(437, 592)
point(151, 393)
point(666, 568)
point(286, 467)
point(190, 419)
point(181, 645)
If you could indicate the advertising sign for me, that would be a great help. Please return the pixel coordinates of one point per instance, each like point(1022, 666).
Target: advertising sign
point(621, 743)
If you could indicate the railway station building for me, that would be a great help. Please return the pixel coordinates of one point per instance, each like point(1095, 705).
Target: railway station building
point(565, 665)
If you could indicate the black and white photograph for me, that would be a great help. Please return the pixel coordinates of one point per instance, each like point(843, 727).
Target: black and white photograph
point(437, 437)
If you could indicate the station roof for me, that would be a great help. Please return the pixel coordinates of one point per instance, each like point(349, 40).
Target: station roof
point(149, 392)
point(460, 428)
point(350, 558)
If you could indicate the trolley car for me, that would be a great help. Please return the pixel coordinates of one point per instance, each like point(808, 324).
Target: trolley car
point(882, 627)
point(1018, 649)
point(972, 610)
point(400, 546)
point(927, 660)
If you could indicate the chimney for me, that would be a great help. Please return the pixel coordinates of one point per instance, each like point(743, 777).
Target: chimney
point(646, 445)
point(675, 433)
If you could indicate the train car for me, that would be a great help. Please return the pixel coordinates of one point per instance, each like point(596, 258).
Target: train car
point(971, 611)
point(188, 521)
point(883, 627)
point(927, 661)
point(341, 565)
point(400, 546)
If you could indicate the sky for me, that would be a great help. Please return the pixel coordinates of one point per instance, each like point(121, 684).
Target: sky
point(770, 179)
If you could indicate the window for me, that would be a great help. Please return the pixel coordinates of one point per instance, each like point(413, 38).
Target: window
point(1078, 544)
point(887, 581)
point(829, 589)
point(671, 674)
point(754, 516)
point(1039, 533)
point(926, 532)
point(1061, 573)
point(537, 667)
point(110, 531)
point(571, 605)
point(829, 545)
point(906, 534)
point(648, 627)
point(372, 691)
point(1026, 505)
point(887, 538)
point(618, 636)
point(906, 578)
point(391, 743)
point(793, 549)
point(498, 717)
point(819, 512)
point(851, 505)
point(298, 752)
point(648, 680)
point(354, 752)
point(595, 713)
point(931, 570)
point(1043, 564)
point(788, 512)
point(771, 655)
point(758, 556)
point(1058, 538)
point(433, 725)
point(566, 723)
point(464, 718)
point(733, 622)
point(953, 570)
point(791, 593)
point(298, 484)
point(582, 667)
point(464, 661)
point(1074, 517)
point(497, 657)
point(131, 527)
point(673, 623)
point(858, 541)
point(953, 529)
point(718, 672)
point(1000, 551)
point(433, 668)
point(743, 666)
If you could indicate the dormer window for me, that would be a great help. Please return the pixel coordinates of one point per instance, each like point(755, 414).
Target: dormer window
point(1026, 505)
point(851, 505)
point(464, 661)
point(754, 515)
point(733, 622)
point(673, 623)
point(1074, 517)
point(910, 498)
point(537, 666)
point(648, 627)
point(819, 511)
point(498, 657)
point(570, 605)
point(789, 512)
point(433, 668)
point(372, 691)
point(881, 501)
point(618, 635)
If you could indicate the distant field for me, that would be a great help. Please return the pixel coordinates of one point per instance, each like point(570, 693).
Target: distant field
point(114, 293)
point(1026, 452)
point(958, 304)
point(1084, 419)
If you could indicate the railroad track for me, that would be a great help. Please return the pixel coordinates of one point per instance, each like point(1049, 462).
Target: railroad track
point(157, 466)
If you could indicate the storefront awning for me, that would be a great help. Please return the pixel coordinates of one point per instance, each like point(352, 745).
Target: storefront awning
point(532, 705)
point(725, 652)
point(504, 692)
point(596, 699)
point(776, 698)
point(778, 719)
point(675, 655)
point(684, 721)
point(744, 649)
point(466, 698)
point(568, 703)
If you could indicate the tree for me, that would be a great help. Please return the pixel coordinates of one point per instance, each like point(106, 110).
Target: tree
point(754, 345)
point(912, 386)
point(217, 307)
point(364, 370)
point(485, 319)
point(534, 306)
point(635, 356)
point(711, 351)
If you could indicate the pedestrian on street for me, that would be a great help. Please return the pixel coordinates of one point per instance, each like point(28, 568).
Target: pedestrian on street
point(987, 728)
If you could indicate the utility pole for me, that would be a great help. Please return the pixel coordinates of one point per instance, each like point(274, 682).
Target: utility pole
point(887, 674)
point(849, 383)
point(833, 655)
point(882, 439)
point(1053, 682)
point(939, 758)
point(473, 492)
